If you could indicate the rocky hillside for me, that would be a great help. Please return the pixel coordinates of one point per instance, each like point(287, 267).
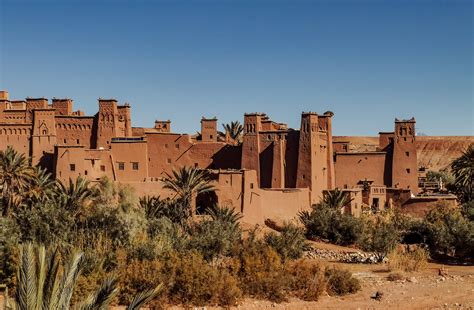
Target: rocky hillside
point(434, 152)
point(437, 153)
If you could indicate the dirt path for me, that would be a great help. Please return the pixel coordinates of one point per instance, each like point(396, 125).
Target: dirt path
point(423, 290)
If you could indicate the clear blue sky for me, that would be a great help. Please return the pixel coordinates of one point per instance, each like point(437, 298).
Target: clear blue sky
point(367, 61)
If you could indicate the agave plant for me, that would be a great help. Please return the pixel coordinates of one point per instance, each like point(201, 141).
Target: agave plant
point(336, 199)
point(45, 283)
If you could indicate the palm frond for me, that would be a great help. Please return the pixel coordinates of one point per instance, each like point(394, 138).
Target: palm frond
point(143, 298)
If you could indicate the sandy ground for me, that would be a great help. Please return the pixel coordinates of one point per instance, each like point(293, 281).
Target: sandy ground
point(427, 291)
point(420, 290)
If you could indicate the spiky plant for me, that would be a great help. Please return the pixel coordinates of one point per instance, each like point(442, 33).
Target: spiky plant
point(336, 199)
point(75, 195)
point(225, 214)
point(15, 176)
point(463, 171)
point(45, 283)
point(188, 182)
point(41, 187)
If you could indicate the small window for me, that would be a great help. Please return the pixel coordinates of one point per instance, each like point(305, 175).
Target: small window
point(251, 185)
point(407, 154)
point(211, 136)
point(121, 166)
point(72, 167)
point(166, 145)
point(404, 139)
point(77, 141)
point(177, 146)
point(195, 165)
point(64, 141)
point(85, 172)
point(408, 170)
point(102, 168)
point(134, 166)
point(169, 160)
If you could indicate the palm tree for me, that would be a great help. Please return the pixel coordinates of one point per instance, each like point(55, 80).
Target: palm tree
point(336, 199)
point(74, 196)
point(463, 171)
point(42, 186)
point(15, 176)
point(233, 131)
point(186, 183)
point(43, 283)
point(225, 215)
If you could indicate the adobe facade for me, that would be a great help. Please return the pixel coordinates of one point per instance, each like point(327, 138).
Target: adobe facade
point(275, 172)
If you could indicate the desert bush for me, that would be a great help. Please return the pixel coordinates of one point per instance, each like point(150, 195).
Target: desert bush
point(136, 275)
point(261, 273)
point(448, 232)
point(341, 282)
point(328, 223)
point(213, 238)
point(218, 235)
point(198, 283)
point(45, 223)
point(395, 276)
point(9, 237)
point(379, 236)
point(289, 243)
point(408, 261)
point(306, 280)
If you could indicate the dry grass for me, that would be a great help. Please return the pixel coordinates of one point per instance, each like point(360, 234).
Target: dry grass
point(413, 260)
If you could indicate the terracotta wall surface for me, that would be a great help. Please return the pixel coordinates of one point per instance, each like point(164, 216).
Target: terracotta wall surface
point(130, 160)
point(354, 167)
point(16, 135)
point(75, 130)
point(167, 151)
point(419, 206)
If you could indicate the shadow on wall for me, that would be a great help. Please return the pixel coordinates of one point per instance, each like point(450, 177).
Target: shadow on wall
point(228, 157)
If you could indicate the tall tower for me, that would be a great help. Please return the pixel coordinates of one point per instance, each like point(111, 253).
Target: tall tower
point(306, 176)
point(43, 137)
point(404, 161)
point(107, 122)
point(251, 142)
point(209, 129)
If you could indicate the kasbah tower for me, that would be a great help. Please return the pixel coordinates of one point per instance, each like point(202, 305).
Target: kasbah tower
point(275, 171)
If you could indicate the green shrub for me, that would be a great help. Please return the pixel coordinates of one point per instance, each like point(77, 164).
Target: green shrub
point(448, 232)
point(330, 224)
point(341, 282)
point(8, 251)
point(290, 243)
point(380, 236)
